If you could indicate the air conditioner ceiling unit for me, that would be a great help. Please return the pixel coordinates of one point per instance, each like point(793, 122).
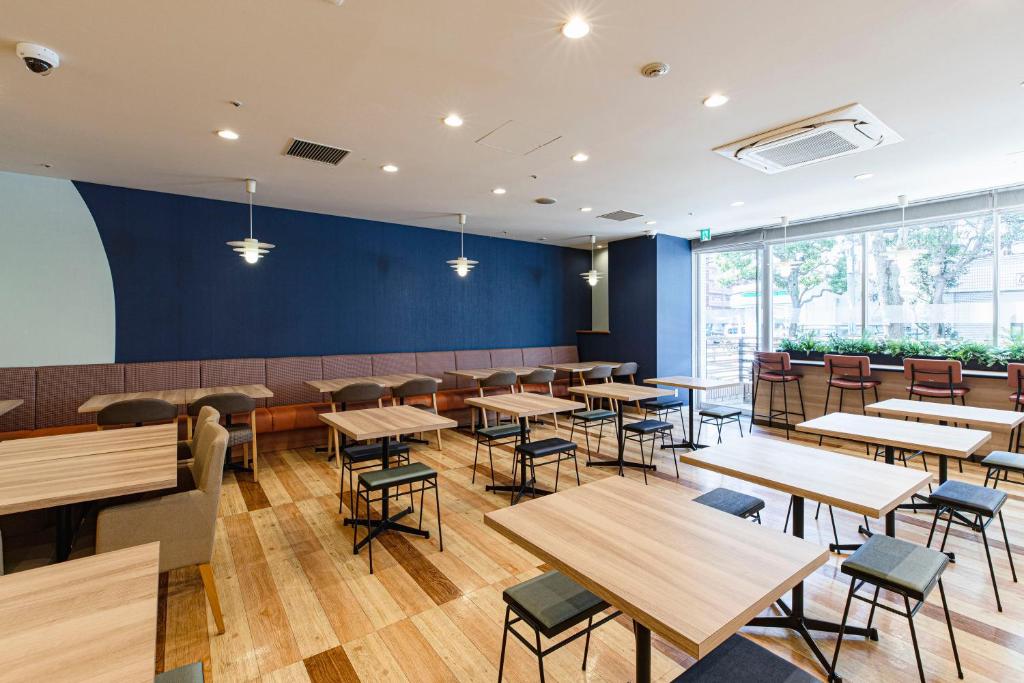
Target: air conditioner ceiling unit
point(840, 132)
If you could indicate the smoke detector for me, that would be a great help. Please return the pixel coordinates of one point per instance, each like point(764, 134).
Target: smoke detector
point(654, 70)
point(545, 200)
point(840, 132)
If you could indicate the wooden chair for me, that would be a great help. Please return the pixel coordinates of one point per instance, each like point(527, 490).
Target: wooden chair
point(414, 388)
point(628, 372)
point(183, 521)
point(775, 368)
point(539, 378)
point(359, 392)
point(501, 379)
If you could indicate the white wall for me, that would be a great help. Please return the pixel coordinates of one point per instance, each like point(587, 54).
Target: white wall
point(56, 293)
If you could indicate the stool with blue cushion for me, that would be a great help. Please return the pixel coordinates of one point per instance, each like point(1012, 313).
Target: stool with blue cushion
point(907, 569)
point(739, 660)
point(732, 502)
point(1002, 462)
point(957, 498)
point(662, 407)
point(640, 431)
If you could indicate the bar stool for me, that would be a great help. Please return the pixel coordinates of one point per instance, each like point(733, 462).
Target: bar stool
point(538, 378)
point(719, 416)
point(415, 388)
point(241, 434)
point(550, 604)
point(1015, 379)
point(136, 412)
point(906, 569)
point(638, 431)
point(775, 368)
point(849, 373)
point(501, 379)
point(932, 378)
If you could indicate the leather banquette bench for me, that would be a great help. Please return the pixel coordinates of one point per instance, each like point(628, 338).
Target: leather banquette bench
point(52, 394)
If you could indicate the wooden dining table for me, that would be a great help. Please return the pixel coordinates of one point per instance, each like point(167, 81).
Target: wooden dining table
point(685, 571)
point(692, 385)
point(327, 386)
point(848, 482)
point(90, 619)
point(973, 417)
point(59, 471)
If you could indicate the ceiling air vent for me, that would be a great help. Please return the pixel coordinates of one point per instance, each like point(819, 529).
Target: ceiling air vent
point(314, 151)
point(836, 133)
point(621, 215)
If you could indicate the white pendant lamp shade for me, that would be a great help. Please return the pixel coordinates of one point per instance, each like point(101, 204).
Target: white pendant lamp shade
point(462, 265)
point(250, 248)
point(592, 276)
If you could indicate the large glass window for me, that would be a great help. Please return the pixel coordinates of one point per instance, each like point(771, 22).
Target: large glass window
point(932, 281)
point(816, 288)
point(1011, 277)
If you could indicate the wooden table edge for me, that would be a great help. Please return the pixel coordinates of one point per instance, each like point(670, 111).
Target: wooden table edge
point(896, 412)
point(801, 427)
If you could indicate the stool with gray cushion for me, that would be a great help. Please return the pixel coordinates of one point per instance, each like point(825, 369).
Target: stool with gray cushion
point(528, 453)
point(136, 412)
point(1002, 462)
point(498, 435)
point(662, 407)
point(240, 434)
point(586, 419)
point(719, 416)
point(379, 481)
point(190, 673)
point(739, 660)
point(957, 498)
point(906, 569)
point(732, 502)
point(550, 604)
point(367, 456)
point(640, 431)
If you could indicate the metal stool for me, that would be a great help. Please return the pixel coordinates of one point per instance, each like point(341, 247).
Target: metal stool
point(775, 368)
point(589, 418)
point(369, 455)
point(498, 435)
point(636, 431)
point(662, 406)
point(733, 503)
point(739, 660)
point(719, 416)
point(532, 450)
point(393, 477)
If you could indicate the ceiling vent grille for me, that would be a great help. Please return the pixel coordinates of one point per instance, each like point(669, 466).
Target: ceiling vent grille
point(314, 151)
point(837, 133)
point(620, 215)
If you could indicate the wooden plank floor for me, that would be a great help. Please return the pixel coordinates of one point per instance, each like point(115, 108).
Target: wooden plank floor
point(299, 606)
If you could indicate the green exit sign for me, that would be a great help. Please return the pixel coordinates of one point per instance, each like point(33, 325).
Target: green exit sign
point(705, 235)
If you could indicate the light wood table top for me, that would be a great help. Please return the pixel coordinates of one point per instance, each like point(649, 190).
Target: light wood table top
point(9, 404)
point(49, 471)
point(250, 390)
point(483, 373)
point(855, 484)
point(374, 423)
point(956, 442)
point(696, 383)
point(620, 391)
point(326, 386)
point(178, 397)
point(92, 619)
point(985, 418)
point(584, 366)
point(683, 570)
point(524, 405)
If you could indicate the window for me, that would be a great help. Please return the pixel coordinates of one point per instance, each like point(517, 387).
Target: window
point(1011, 277)
point(932, 280)
point(816, 288)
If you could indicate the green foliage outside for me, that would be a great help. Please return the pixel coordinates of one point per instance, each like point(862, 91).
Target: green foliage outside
point(963, 351)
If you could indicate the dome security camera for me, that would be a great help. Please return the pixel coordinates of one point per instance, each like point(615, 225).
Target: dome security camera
point(38, 58)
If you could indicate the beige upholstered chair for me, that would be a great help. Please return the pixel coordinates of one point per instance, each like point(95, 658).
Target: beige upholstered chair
point(187, 447)
point(183, 521)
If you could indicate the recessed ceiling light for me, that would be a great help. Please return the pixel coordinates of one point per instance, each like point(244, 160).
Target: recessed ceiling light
point(227, 134)
point(737, 204)
point(389, 168)
point(453, 120)
point(586, 209)
point(575, 28)
point(864, 176)
point(580, 156)
point(715, 100)
point(498, 190)
point(651, 223)
point(600, 246)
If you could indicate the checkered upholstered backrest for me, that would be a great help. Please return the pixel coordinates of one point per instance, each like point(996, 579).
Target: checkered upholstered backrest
point(178, 374)
point(233, 372)
point(536, 356)
point(60, 389)
point(393, 363)
point(286, 377)
point(434, 364)
point(471, 360)
point(339, 367)
point(18, 383)
point(565, 354)
point(506, 358)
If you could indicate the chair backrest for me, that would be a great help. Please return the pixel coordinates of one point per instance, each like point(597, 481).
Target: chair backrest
point(415, 387)
point(137, 411)
point(359, 392)
point(772, 361)
point(932, 370)
point(501, 378)
point(225, 404)
point(847, 366)
point(208, 465)
point(207, 415)
point(625, 369)
point(1015, 375)
point(598, 372)
point(539, 376)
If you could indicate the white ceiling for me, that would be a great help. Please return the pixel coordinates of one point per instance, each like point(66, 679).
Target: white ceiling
point(143, 86)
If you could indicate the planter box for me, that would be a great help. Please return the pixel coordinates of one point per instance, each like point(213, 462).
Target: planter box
point(885, 359)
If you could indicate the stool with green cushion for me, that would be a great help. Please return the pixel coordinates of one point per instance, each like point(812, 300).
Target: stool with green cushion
point(531, 451)
point(900, 567)
point(497, 435)
point(957, 498)
point(719, 416)
point(366, 456)
point(1002, 462)
point(732, 502)
point(190, 673)
point(392, 478)
point(640, 431)
point(550, 604)
point(739, 660)
point(587, 419)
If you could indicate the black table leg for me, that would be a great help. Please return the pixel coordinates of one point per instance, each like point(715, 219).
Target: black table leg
point(387, 521)
point(620, 462)
point(65, 533)
point(642, 634)
point(794, 617)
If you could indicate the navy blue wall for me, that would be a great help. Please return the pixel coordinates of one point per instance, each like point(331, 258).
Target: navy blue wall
point(332, 285)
